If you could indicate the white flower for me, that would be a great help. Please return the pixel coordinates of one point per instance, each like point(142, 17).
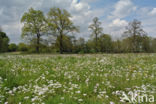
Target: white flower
point(78, 92)
point(62, 98)
point(80, 100)
point(84, 94)
point(112, 102)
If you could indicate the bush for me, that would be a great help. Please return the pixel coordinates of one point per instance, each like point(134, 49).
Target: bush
point(12, 47)
point(22, 47)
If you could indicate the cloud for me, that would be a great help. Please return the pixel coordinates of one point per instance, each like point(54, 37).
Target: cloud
point(118, 23)
point(147, 16)
point(113, 18)
point(115, 28)
point(11, 12)
point(153, 12)
point(123, 8)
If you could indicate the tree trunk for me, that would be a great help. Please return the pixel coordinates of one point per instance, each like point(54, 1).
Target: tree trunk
point(38, 43)
point(96, 43)
point(61, 44)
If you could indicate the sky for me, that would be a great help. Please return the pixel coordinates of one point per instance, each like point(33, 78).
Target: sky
point(113, 14)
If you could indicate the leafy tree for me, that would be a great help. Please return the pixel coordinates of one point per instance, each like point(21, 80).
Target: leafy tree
point(96, 30)
point(4, 42)
point(80, 45)
point(67, 43)
point(146, 47)
point(105, 43)
point(153, 45)
point(60, 24)
point(90, 45)
point(135, 31)
point(22, 47)
point(34, 26)
point(117, 46)
point(12, 47)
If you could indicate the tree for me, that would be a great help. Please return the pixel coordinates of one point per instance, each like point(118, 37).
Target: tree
point(60, 24)
point(105, 43)
point(96, 30)
point(146, 47)
point(80, 45)
point(12, 47)
point(153, 46)
point(67, 43)
point(22, 47)
point(135, 31)
point(4, 41)
point(1, 29)
point(34, 26)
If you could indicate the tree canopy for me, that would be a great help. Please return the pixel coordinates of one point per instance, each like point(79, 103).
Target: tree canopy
point(60, 24)
point(34, 26)
point(96, 30)
point(4, 42)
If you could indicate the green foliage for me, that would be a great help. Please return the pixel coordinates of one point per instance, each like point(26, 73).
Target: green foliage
point(96, 31)
point(58, 30)
point(4, 41)
point(13, 47)
point(136, 33)
point(34, 26)
point(60, 24)
point(105, 43)
point(22, 47)
point(67, 44)
point(153, 46)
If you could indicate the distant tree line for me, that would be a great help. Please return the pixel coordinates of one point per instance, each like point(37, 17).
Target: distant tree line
point(53, 33)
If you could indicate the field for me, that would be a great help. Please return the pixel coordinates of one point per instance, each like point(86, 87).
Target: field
point(77, 79)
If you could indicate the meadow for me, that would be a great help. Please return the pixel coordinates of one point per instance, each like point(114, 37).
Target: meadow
point(76, 79)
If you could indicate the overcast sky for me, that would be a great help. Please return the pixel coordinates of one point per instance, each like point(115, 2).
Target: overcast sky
point(114, 14)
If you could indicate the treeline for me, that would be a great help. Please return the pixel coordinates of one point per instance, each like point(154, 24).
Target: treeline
point(53, 33)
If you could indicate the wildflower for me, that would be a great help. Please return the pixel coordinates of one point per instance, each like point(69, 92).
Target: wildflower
point(80, 100)
point(112, 102)
point(84, 94)
point(78, 92)
point(62, 98)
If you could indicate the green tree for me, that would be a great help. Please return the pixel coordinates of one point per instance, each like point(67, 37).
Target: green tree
point(12, 47)
point(22, 47)
point(1, 29)
point(96, 30)
point(60, 24)
point(105, 43)
point(67, 43)
point(80, 45)
point(153, 45)
point(117, 46)
point(34, 26)
point(135, 31)
point(146, 47)
point(4, 42)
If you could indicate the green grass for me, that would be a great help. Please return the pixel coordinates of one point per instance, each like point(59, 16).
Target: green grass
point(75, 79)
